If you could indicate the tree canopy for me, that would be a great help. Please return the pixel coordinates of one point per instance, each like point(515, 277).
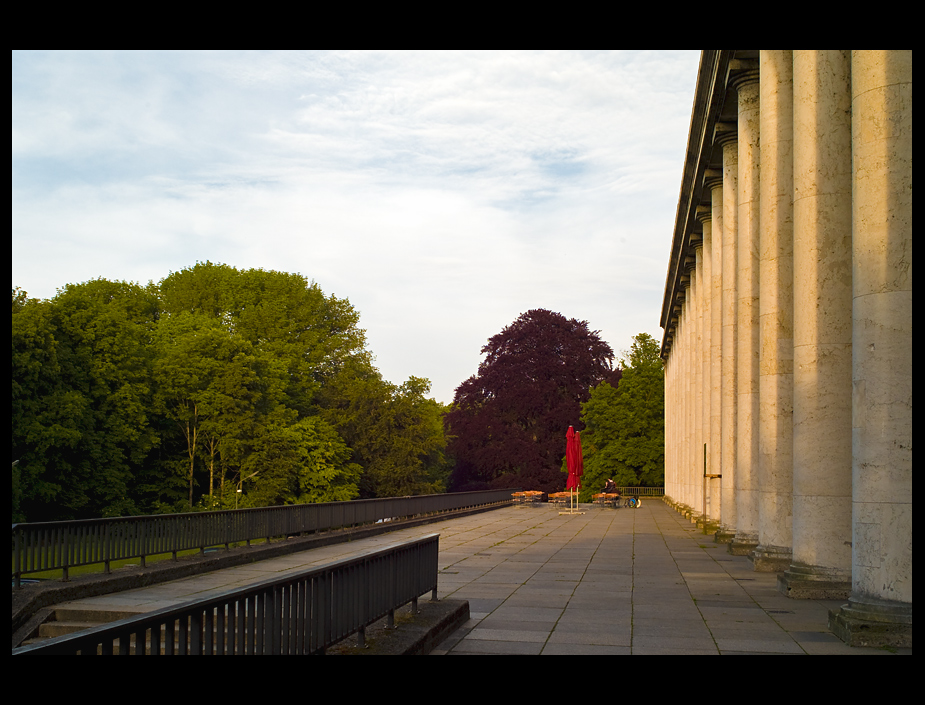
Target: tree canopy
point(507, 424)
point(215, 388)
point(624, 435)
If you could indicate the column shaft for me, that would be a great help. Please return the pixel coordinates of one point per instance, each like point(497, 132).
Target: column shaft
point(706, 384)
point(775, 439)
point(729, 399)
point(696, 468)
point(822, 321)
point(746, 479)
point(716, 352)
point(880, 607)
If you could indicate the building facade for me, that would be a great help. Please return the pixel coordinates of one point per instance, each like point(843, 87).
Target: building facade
point(787, 323)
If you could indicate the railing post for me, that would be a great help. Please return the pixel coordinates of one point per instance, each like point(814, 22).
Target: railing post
point(67, 554)
point(17, 557)
point(107, 546)
point(143, 542)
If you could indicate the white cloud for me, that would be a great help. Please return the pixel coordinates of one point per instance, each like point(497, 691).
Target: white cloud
point(442, 193)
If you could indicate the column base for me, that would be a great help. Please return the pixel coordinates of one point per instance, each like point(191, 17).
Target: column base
point(770, 559)
point(743, 544)
point(873, 624)
point(684, 510)
point(806, 582)
point(671, 502)
point(724, 535)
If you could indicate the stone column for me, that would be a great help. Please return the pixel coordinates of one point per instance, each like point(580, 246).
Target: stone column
point(685, 393)
point(714, 181)
point(879, 611)
point(696, 466)
point(745, 81)
point(666, 371)
point(727, 138)
point(679, 394)
point(688, 331)
point(705, 216)
point(821, 566)
point(775, 430)
point(671, 492)
point(677, 435)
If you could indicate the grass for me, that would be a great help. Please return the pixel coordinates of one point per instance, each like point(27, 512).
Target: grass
point(92, 568)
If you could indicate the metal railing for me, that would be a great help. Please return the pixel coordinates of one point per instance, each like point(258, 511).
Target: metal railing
point(301, 614)
point(642, 491)
point(65, 544)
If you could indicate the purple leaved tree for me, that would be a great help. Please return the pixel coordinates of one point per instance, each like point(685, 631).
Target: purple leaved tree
point(508, 423)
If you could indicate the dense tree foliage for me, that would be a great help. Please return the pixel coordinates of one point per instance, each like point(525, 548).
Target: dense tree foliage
point(216, 388)
point(396, 432)
point(508, 423)
point(624, 435)
point(81, 397)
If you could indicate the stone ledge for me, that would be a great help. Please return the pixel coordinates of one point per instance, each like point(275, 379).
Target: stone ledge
point(413, 635)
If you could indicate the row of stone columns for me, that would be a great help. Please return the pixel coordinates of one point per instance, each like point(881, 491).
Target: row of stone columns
point(788, 362)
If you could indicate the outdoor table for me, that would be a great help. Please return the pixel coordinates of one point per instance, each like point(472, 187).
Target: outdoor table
point(605, 497)
point(527, 496)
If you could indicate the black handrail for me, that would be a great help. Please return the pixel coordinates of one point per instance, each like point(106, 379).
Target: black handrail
point(300, 614)
point(62, 545)
point(638, 491)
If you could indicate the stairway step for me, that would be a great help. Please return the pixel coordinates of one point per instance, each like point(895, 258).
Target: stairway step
point(49, 630)
point(66, 613)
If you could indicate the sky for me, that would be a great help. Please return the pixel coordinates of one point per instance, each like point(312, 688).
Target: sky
point(442, 193)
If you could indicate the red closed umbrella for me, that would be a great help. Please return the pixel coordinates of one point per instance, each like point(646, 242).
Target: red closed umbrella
point(573, 462)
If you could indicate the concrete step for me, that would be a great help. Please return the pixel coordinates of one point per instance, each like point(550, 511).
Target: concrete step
point(68, 620)
point(66, 613)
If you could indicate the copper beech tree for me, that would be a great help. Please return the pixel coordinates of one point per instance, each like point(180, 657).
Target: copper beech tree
point(508, 422)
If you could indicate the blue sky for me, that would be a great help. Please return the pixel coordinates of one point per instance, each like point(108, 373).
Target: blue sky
point(442, 193)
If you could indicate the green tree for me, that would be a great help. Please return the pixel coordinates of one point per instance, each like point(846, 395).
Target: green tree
point(280, 314)
point(624, 435)
point(81, 398)
point(213, 386)
point(396, 432)
point(42, 422)
point(218, 387)
point(268, 344)
point(296, 462)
